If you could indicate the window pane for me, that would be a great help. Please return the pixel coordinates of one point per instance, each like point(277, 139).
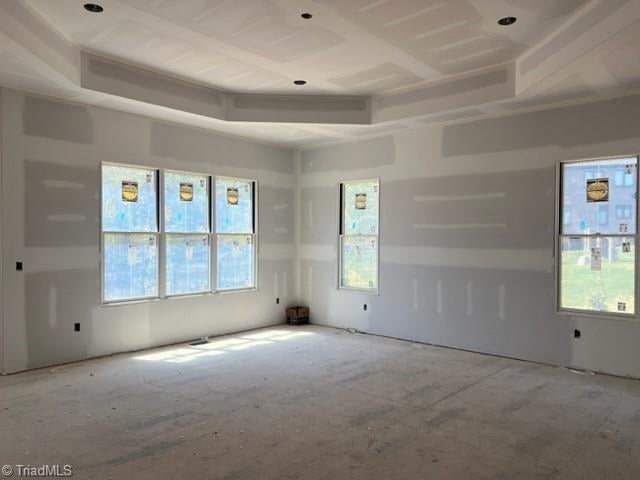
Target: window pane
point(360, 203)
point(598, 274)
point(187, 264)
point(360, 262)
point(235, 262)
point(128, 199)
point(233, 206)
point(130, 266)
point(596, 213)
point(186, 202)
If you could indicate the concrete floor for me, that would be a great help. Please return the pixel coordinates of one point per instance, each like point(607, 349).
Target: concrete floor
point(318, 403)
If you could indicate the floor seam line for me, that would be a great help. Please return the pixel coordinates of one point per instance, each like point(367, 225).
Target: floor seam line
point(462, 389)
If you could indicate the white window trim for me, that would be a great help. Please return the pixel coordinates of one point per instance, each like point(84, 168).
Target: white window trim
point(156, 234)
point(160, 236)
point(558, 245)
point(254, 235)
point(164, 234)
point(340, 223)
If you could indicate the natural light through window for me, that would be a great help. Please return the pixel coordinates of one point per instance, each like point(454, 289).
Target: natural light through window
point(597, 243)
point(129, 233)
point(224, 345)
point(359, 235)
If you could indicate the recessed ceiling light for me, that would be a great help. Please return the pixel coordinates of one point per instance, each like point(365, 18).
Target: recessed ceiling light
point(300, 82)
point(506, 21)
point(93, 8)
point(306, 16)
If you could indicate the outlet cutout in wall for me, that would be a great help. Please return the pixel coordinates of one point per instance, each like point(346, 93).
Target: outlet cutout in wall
point(19, 266)
point(576, 334)
point(364, 307)
point(76, 327)
point(277, 301)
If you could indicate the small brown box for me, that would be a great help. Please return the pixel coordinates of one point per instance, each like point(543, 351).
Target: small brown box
point(297, 315)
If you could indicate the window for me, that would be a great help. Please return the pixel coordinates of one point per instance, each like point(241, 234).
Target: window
point(597, 255)
point(603, 215)
point(566, 215)
point(624, 211)
point(133, 269)
point(235, 233)
point(359, 235)
point(187, 232)
point(129, 233)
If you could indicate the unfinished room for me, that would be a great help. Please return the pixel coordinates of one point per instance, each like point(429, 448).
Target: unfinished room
point(320, 239)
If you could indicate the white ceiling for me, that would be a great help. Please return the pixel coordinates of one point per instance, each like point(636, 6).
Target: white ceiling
point(349, 46)
point(363, 47)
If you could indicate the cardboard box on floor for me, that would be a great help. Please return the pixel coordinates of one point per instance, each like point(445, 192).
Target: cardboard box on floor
point(297, 315)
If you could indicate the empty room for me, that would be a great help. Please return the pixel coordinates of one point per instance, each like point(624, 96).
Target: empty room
point(319, 239)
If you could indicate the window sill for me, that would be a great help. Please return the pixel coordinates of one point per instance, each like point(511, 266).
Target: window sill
point(624, 317)
point(237, 290)
point(360, 290)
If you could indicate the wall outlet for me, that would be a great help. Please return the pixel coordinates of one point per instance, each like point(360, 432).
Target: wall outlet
point(364, 307)
point(19, 266)
point(277, 301)
point(76, 327)
point(576, 334)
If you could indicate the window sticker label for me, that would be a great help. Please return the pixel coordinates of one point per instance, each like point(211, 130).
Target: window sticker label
point(188, 250)
point(622, 306)
point(361, 201)
point(628, 168)
point(596, 259)
point(624, 228)
point(626, 247)
point(597, 190)
point(232, 196)
point(186, 192)
point(129, 191)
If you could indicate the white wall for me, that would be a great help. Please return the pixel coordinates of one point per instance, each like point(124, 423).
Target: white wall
point(51, 152)
point(475, 269)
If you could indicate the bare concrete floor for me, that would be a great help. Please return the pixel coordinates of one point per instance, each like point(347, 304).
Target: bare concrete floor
point(319, 403)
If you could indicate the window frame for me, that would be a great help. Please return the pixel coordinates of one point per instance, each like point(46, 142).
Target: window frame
point(254, 235)
point(156, 234)
point(163, 237)
point(559, 236)
point(341, 235)
point(160, 236)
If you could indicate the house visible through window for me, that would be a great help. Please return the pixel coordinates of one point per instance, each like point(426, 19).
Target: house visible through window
point(359, 235)
point(186, 227)
point(597, 252)
point(129, 233)
point(235, 233)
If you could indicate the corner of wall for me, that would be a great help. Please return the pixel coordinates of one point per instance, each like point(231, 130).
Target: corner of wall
point(297, 156)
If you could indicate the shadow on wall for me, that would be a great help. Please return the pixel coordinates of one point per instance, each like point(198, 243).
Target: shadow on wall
point(375, 152)
point(318, 215)
point(57, 120)
point(501, 210)
point(54, 301)
point(61, 205)
point(572, 126)
point(276, 215)
point(191, 145)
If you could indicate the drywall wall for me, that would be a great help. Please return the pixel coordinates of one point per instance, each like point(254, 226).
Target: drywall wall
point(467, 235)
point(2, 337)
point(51, 152)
